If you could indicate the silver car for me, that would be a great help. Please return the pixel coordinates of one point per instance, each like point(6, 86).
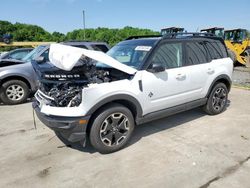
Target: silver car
point(17, 77)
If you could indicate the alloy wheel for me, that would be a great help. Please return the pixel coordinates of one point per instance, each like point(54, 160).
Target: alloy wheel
point(219, 99)
point(15, 92)
point(114, 129)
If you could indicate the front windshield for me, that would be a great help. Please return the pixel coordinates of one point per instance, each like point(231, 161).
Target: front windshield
point(129, 54)
point(33, 53)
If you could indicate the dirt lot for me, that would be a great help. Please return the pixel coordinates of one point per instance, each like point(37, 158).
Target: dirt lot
point(241, 77)
point(190, 149)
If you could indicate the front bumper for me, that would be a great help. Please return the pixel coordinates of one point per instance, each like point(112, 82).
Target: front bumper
point(72, 129)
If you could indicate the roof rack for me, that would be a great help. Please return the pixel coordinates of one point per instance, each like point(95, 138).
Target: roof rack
point(142, 36)
point(188, 34)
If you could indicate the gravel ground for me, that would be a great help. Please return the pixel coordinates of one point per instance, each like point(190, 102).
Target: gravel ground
point(241, 77)
point(190, 150)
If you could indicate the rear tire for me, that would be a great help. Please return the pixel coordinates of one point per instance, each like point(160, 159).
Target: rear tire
point(111, 128)
point(14, 92)
point(217, 99)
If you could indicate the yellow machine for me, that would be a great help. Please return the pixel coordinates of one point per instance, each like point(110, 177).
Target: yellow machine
point(23, 44)
point(170, 30)
point(236, 41)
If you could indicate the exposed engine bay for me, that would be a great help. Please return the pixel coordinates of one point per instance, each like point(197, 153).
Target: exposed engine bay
point(63, 88)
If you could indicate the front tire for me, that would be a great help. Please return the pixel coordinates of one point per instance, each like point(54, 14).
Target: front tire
point(217, 99)
point(14, 92)
point(111, 128)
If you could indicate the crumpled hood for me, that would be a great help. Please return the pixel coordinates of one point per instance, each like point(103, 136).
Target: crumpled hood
point(66, 57)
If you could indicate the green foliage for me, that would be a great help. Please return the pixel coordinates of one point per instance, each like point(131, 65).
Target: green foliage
point(27, 32)
point(111, 36)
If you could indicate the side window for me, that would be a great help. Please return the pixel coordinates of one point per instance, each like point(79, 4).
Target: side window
point(18, 55)
point(215, 50)
point(222, 49)
point(169, 54)
point(100, 47)
point(45, 55)
point(80, 46)
point(196, 53)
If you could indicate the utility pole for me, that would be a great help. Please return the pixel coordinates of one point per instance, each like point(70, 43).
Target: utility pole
point(83, 16)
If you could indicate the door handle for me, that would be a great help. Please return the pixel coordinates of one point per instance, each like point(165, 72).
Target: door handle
point(181, 77)
point(210, 71)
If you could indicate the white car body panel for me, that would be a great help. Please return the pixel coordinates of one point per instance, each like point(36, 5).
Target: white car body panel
point(161, 90)
point(220, 67)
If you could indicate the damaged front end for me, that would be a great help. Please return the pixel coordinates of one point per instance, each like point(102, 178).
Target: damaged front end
point(69, 86)
point(59, 87)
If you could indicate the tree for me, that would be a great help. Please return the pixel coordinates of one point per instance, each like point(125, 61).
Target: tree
point(111, 36)
point(27, 32)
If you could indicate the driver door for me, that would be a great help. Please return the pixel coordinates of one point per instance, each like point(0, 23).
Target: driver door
point(167, 88)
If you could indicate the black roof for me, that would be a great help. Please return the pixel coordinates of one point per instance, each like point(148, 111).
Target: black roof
point(148, 41)
point(212, 28)
point(151, 39)
point(237, 29)
point(174, 36)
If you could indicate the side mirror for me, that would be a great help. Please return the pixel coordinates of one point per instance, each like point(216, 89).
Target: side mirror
point(39, 59)
point(156, 67)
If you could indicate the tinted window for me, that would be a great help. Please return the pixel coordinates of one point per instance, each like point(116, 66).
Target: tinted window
point(196, 53)
point(100, 47)
point(18, 55)
point(169, 54)
point(79, 46)
point(216, 50)
point(45, 55)
point(222, 49)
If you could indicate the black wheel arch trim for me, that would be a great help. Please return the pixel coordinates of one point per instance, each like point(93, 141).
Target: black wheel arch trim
point(223, 76)
point(115, 98)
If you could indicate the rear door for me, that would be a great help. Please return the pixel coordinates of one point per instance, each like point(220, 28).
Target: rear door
point(197, 62)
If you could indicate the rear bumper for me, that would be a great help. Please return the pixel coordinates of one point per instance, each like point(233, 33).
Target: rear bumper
point(71, 128)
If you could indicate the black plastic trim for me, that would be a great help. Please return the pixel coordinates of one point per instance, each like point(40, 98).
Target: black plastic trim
point(223, 76)
point(140, 85)
point(114, 98)
point(69, 127)
point(170, 111)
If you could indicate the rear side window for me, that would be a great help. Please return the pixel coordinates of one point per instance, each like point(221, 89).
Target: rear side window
point(169, 54)
point(196, 53)
point(216, 50)
point(79, 46)
point(100, 47)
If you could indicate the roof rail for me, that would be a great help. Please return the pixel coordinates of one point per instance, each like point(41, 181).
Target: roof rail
point(142, 36)
point(188, 34)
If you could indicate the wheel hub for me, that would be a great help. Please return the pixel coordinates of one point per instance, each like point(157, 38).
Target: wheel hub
point(114, 129)
point(219, 99)
point(15, 92)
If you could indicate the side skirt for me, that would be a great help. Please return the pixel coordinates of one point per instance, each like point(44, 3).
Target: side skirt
point(170, 111)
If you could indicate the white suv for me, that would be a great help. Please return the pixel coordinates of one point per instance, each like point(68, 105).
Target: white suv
point(139, 80)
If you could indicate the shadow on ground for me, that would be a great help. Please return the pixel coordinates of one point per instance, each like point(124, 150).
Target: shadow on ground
point(28, 101)
point(150, 128)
